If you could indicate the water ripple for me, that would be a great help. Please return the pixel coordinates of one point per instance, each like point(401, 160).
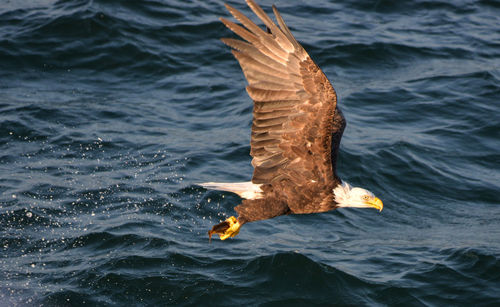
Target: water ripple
point(112, 111)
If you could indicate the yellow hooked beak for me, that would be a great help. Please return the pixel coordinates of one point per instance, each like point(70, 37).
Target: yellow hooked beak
point(376, 203)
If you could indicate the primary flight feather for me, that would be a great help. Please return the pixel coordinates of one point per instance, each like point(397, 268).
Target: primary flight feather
point(296, 129)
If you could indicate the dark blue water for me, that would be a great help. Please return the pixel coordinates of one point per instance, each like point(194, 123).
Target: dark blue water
point(111, 111)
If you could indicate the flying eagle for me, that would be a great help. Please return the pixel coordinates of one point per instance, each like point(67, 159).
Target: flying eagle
point(296, 129)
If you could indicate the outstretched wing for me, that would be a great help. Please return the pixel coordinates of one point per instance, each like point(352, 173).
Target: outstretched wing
point(294, 106)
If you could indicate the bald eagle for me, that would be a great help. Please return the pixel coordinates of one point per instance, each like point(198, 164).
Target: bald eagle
point(296, 129)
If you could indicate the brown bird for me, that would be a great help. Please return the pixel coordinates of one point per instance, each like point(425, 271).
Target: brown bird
point(296, 129)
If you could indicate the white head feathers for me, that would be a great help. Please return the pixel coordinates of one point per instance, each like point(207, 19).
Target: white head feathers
point(347, 196)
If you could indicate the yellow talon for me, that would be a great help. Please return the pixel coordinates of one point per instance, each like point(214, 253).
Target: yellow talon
point(229, 228)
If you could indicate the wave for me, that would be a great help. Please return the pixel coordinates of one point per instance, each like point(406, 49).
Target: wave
point(112, 111)
point(277, 278)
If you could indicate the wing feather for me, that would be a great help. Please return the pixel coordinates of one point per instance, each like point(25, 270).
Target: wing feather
point(266, 39)
point(247, 48)
point(251, 66)
point(294, 108)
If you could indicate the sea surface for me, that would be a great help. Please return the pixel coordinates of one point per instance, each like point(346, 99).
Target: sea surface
point(111, 111)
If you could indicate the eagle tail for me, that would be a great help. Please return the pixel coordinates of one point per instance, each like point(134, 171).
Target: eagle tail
point(246, 190)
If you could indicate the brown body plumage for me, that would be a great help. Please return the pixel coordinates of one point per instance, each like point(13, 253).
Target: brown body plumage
point(297, 126)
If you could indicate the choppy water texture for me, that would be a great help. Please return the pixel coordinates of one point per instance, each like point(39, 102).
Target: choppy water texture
point(111, 111)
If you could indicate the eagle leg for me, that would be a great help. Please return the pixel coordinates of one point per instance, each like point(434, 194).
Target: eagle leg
point(229, 228)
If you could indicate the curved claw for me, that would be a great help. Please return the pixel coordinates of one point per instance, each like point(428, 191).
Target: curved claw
point(229, 228)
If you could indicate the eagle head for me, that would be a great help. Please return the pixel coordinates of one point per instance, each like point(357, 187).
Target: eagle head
point(354, 197)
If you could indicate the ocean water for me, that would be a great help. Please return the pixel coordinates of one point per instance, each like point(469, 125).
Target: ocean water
point(112, 111)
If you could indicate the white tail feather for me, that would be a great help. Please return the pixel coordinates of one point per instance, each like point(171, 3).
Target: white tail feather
point(247, 190)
